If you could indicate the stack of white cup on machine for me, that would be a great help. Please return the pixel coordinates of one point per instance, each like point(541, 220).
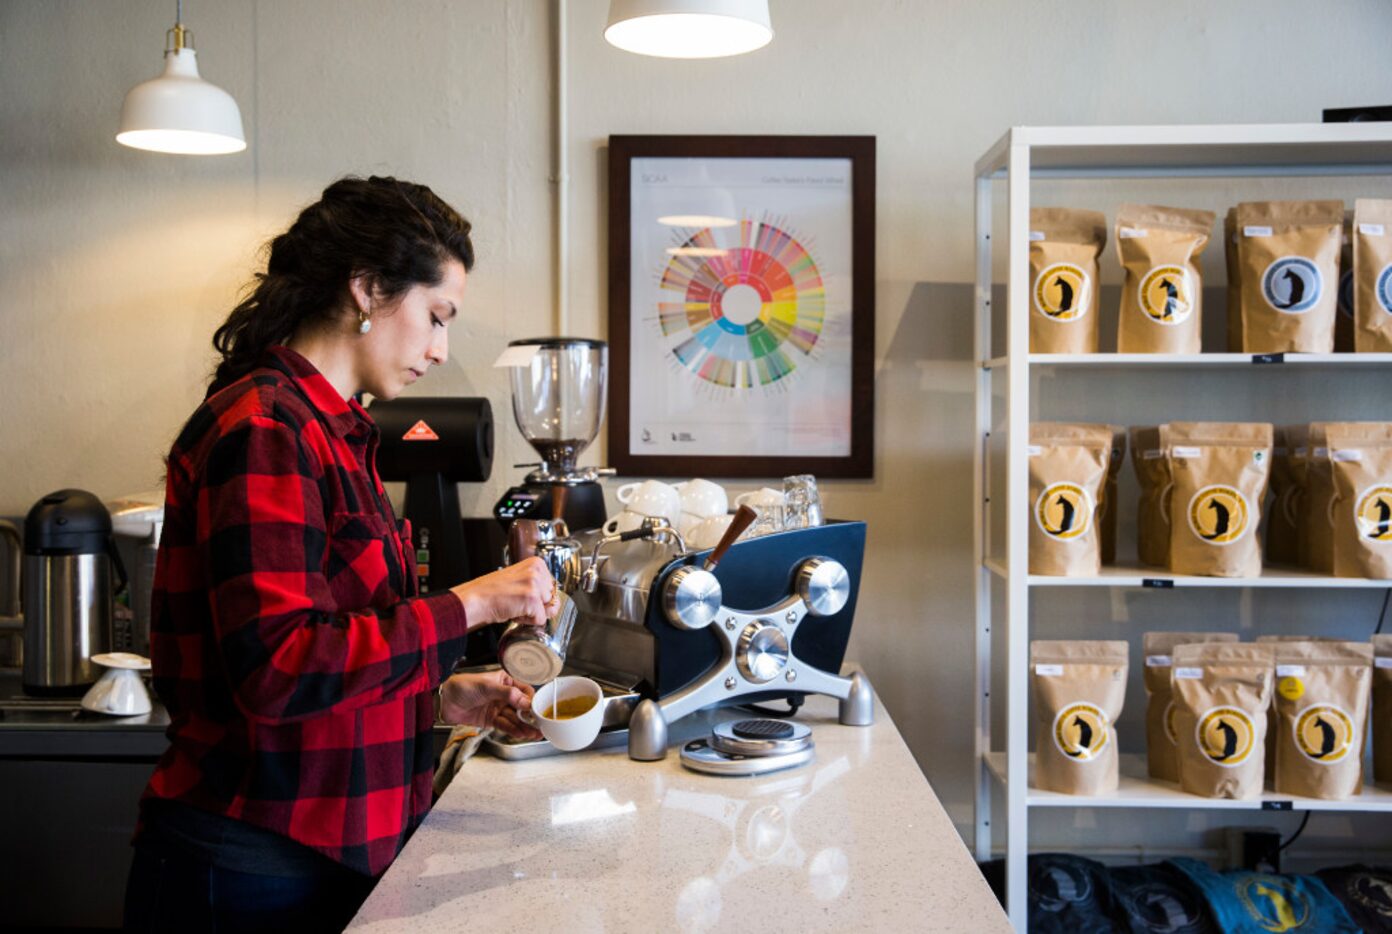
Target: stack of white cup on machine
point(700, 509)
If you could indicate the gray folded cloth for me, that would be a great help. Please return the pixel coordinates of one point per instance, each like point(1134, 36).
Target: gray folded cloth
point(464, 741)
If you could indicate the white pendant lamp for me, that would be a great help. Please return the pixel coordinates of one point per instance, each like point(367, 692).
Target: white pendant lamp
point(689, 28)
point(179, 112)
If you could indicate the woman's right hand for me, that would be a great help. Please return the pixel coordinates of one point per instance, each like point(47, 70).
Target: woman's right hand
point(524, 591)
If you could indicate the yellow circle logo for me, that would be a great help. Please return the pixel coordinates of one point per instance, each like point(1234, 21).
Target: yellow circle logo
point(1166, 296)
point(1081, 731)
point(1290, 687)
point(1218, 515)
point(1324, 733)
point(1063, 511)
point(1373, 514)
point(1273, 902)
point(1225, 736)
point(1062, 292)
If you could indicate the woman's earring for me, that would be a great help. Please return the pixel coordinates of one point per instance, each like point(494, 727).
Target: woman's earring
point(364, 323)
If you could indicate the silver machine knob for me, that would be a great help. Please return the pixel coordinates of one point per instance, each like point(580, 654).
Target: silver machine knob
point(762, 651)
point(691, 599)
point(823, 585)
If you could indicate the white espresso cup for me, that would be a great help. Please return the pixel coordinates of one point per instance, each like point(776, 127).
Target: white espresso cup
point(119, 692)
point(706, 533)
point(576, 732)
point(625, 521)
point(652, 498)
point(702, 498)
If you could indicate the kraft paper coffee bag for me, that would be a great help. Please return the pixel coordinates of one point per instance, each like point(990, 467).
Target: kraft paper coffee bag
point(1317, 513)
point(1162, 759)
point(1283, 520)
point(1343, 321)
point(1234, 290)
point(1372, 276)
point(1382, 708)
point(1316, 544)
point(1219, 472)
point(1288, 254)
point(1152, 515)
point(1161, 299)
point(1362, 503)
point(1272, 721)
point(1068, 468)
point(1107, 511)
point(1221, 694)
point(1064, 245)
point(1322, 694)
point(1078, 690)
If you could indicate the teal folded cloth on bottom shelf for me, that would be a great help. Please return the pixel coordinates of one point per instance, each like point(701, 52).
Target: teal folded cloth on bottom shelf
point(1245, 902)
point(1365, 892)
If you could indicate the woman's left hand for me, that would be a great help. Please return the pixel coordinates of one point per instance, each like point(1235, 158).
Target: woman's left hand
point(488, 698)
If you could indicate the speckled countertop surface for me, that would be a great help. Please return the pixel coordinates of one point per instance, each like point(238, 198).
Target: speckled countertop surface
point(593, 841)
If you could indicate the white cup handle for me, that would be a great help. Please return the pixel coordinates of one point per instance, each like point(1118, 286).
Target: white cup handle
point(611, 526)
point(625, 492)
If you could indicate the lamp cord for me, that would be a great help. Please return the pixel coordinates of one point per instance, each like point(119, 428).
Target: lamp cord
point(178, 12)
point(1382, 614)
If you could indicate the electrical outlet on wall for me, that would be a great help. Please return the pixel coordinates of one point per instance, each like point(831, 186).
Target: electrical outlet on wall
point(1257, 849)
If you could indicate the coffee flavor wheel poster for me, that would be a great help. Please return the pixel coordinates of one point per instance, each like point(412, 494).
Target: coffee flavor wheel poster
point(740, 331)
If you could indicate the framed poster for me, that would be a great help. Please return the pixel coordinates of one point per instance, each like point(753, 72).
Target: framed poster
point(742, 305)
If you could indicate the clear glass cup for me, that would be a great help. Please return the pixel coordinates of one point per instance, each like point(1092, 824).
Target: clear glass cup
point(802, 506)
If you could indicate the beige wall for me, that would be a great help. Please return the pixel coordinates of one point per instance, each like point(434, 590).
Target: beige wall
point(115, 265)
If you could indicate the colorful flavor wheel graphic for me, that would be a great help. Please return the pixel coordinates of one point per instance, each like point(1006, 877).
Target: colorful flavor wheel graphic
point(747, 314)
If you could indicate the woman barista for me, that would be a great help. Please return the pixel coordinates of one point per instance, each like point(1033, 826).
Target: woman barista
point(296, 659)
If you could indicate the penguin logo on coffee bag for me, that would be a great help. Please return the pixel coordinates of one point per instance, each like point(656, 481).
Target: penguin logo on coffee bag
point(1165, 295)
point(1324, 733)
point(1292, 285)
point(1225, 736)
point(1081, 731)
point(1218, 514)
point(1063, 511)
point(1062, 292)
point(1373, 514)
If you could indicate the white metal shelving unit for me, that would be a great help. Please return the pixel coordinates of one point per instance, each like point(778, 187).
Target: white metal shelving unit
point(1023, 154)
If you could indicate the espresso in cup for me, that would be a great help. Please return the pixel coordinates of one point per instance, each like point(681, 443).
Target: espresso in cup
point(569, 712)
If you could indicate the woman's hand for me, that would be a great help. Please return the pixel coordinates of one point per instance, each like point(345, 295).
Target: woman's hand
point(488, 698)
point(524, 591)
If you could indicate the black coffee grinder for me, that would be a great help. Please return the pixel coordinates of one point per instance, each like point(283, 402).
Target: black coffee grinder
point(434, 444)
point(558, 395)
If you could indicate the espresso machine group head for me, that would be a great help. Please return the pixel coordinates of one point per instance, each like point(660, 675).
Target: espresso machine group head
point(558, 399)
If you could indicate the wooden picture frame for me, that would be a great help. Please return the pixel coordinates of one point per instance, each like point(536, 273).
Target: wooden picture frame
point(752, 320)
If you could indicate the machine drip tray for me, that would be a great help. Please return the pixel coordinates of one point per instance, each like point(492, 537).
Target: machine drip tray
point(504, 748)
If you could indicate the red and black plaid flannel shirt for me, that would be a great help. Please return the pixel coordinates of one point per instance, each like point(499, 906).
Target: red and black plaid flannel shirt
point(288, 641)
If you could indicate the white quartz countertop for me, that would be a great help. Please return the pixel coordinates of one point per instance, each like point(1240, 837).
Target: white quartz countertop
point(593, 841)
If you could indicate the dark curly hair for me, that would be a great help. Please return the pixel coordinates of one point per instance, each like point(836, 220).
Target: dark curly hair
point(398, 234)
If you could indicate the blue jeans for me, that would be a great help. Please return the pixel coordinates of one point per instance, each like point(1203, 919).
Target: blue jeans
point(169, 892)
